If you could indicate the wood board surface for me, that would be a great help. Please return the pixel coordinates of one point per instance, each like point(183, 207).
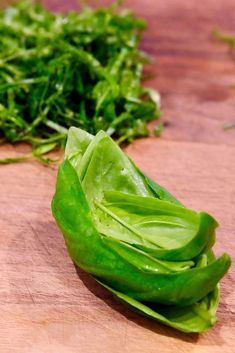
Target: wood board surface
point(49, 306)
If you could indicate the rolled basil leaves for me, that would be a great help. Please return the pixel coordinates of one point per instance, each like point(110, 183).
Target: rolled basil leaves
point(134, 237)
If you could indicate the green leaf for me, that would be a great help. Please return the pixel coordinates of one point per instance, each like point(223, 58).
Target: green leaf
point(135, 237)
point(198, 317)
point(162, 229)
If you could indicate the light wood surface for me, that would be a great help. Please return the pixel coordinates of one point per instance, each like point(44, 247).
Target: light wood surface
point(46, 304)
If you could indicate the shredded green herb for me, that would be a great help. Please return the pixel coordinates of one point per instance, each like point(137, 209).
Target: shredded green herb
point(228, 126)
point(230, 41)
point(82, 69)
point(225, 38)
point(158, 129)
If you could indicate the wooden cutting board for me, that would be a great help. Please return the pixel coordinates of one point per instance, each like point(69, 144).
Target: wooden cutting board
point(49, 306)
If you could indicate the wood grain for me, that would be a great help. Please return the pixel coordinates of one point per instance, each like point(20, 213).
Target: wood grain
point(47, 305)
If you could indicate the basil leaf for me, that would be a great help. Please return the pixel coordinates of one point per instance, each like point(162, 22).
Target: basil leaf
point(134, 237)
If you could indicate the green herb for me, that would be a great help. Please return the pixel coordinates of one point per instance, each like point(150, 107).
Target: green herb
point(134, 237)
point(158, 129)
point(14, 159)
point(228, 126)
point(225, 38)
point(82, 69)
point(230, 40)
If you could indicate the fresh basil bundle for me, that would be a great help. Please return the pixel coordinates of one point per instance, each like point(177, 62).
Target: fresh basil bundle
point(134, 237)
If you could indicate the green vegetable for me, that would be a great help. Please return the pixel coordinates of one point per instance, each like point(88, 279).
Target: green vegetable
point(82, 69)
point(134, 237)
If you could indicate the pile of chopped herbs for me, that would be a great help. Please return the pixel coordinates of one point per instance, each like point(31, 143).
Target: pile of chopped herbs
point(82, 69)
